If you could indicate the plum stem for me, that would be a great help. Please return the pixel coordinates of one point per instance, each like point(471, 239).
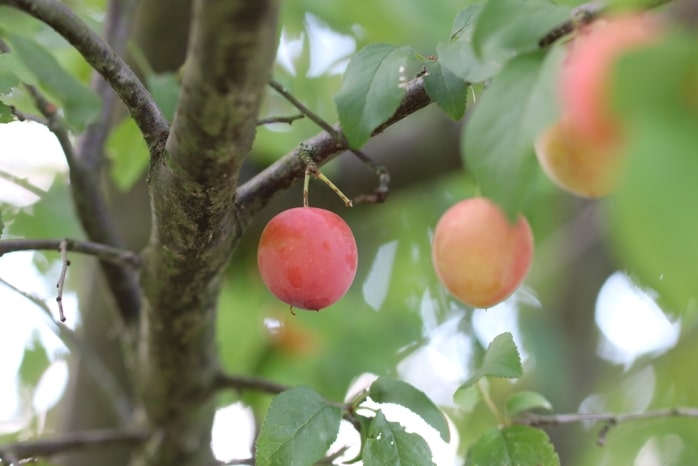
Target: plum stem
point(311, 169)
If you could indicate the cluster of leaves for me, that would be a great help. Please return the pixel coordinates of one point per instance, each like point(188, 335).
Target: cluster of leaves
point(300, 425)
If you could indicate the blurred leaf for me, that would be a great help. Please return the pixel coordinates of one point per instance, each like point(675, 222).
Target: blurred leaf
point(458, 54)
point(52, 215)
point(501, 360)
point(449, 91)
point(298, 429)
point(2, 225)
point(34, 363)
point(128, 153)
point(387, 390)
point(79, 103)
point(509, 27)
point(388, 443)
point(520, 402)
point(8, 78)
point(498, 139)
point(513, 446)
point(5, 113)
point(165, 90)
point(372, 90)
point(468, 397)
point(653, 228)
point(464, 22)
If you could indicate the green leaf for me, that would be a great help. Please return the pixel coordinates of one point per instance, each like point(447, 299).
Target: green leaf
point(79, 103)
point(509, 27)
point(298, 429)
point(52, 213)
point(165, 91)
point(652, 225)
point(387, 443)
point(128, 153)
point(464, 23)
point(8, 77)
point(372, 89)
point(449, 91)
point(34, 363)
point(498, 139)
point(501, 360)
point(460, 58)
point(387, 390)
point(520, 402)
point(5, 113)
point(513, 446)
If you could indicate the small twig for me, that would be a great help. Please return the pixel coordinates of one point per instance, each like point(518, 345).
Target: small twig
point(101, 251)
point(280, 119)
point(74, 441)
point(63, 248)
point(379, 194)
point(581, 16)
point(242, 382)
point(22, 183)
point(609, 420)
point(338, 136)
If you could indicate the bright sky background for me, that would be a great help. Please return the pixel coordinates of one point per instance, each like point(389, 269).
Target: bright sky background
point(629, 319)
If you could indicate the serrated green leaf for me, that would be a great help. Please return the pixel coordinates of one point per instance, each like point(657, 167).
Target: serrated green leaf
point(298, 429)
point(34, 363)
point(128, 153)
point(388, 443)
point(464, 22)
point(520, 402)
point(513, 446)
point(5, 113)
point(372, 89)
point(449, 91)
point(501, 360)
point(79, 103)
point(387, 390)
point(165, 91)
point(498, 139)
point(509, 27)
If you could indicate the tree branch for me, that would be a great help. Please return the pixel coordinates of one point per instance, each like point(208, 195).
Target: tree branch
point(101, 251)
point(254, 194)
point(610, 420)
point(241, 382)
point(192, 187)
point(30, 449)
point(106, 61)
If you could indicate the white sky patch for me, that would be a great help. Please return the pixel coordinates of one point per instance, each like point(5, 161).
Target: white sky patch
point(233, 432)
point(329, 50)
point(504, 317)
point(631, 322)
point(377, 283)
point(31, 151)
